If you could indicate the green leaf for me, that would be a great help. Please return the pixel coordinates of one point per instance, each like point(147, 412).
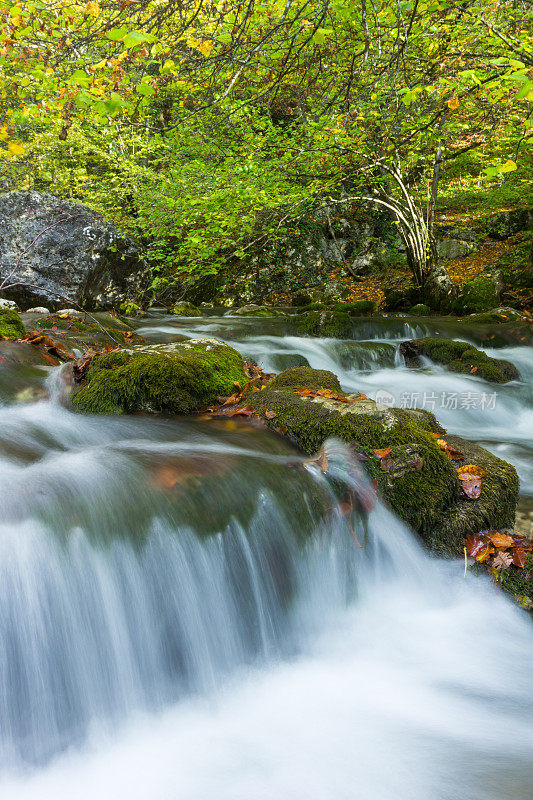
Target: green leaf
point(134, 38)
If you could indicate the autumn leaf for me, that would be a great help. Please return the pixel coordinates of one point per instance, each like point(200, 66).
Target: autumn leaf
point(501, 539)
point(519, 558)
point(453, 104)
point(270, 414)
point(471, 469)
point(475, 543)
point(320, 460)
point(502, 560)
point(92, 9)
point(471, 486)
point(383, 452)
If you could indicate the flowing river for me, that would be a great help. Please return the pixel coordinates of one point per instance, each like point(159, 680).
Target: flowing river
point(184, 616)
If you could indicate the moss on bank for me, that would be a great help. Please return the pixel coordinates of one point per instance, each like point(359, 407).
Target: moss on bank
point(460, 357)
point(11, 325)
point(173, 378)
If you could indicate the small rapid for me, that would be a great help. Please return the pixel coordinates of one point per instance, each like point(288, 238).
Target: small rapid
point(184, 612)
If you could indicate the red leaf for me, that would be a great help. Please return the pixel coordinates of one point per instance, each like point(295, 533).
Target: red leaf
point(519, 558)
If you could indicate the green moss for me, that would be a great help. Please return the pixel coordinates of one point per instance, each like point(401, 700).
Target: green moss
point(160, 378)
point(480, 294)
point(460, 357)
point(494, 509)
point(361, 308)
point(11, 325)
point(420, 310)
point(186, 310)
point(417, 496)
point(332, 324)
point(313, 379)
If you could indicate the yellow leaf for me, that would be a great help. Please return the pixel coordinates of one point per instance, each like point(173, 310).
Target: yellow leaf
point(92, 8)
point(471, 469)
point(15, 148)
point(3, 132)
point(453, 103)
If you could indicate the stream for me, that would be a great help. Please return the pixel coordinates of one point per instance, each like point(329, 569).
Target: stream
point(184, 616)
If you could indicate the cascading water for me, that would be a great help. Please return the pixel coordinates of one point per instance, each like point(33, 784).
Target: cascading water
point(185, 615)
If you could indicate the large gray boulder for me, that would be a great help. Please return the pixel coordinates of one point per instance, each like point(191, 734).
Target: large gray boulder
point(56, 252)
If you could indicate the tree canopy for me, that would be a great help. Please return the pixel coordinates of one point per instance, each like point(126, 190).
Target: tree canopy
point(210, 128)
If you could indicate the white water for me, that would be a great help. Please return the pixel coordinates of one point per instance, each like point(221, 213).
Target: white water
point(139, 661)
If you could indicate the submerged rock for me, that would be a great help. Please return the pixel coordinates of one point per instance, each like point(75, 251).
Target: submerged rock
point(56, 251)
point(11, 325)
point(459, 357)
point(417, 478)
point(163, 378)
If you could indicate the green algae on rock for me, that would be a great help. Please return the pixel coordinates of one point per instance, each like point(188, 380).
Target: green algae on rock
point(420, 481)
point(11, 325)
point(459, 357)
point(170, 378)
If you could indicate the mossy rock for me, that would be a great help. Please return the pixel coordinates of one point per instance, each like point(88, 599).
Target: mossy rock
point(331, 324)
point(495, 508)
point(421, 485)
point(172, 378)
point(460, 357)
point(185, 310)
point(420, 310)
point(360, 308)
point(253, 310)
point(11, 325)
point(480, 294)
point(313, 379)
point(502, 314)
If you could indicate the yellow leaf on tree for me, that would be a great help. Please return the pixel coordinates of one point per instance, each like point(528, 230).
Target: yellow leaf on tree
point(15, 148)
point(453, 103)
point(92, 8)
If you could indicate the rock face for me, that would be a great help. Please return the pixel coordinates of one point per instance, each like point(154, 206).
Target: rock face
point(61, 252)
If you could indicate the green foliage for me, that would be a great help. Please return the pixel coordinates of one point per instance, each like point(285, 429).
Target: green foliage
point(215, 140)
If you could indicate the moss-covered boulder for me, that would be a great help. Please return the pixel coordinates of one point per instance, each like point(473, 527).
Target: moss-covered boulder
point(459, 357)
point(185, 310)
point(360, 308)
point(501, 314)
point(170, 378)
point(420, 310)
point(331, 324)
point(11, 325)
point(480, 294)
point(418, 479)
